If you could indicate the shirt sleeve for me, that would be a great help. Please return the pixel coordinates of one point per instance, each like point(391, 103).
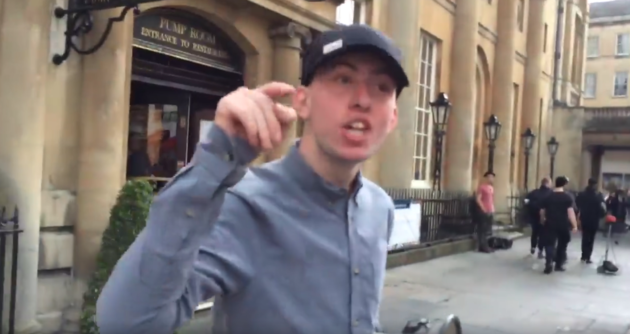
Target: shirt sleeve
point(193, 247)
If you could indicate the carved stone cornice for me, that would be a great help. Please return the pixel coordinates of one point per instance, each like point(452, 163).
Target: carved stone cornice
point(291, 30)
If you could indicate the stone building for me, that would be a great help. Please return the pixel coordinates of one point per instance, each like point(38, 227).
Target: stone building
point(606, 143)
point(72, 133)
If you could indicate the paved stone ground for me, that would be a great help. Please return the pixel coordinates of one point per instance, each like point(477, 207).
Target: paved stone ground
point(506, 293)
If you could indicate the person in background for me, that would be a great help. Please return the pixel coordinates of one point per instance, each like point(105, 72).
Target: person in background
point(485, 203)
point(591, 208)
point(532, 204)
point(558, 218)
point(616, 206)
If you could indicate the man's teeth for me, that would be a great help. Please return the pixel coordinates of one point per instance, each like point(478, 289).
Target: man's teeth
point(357, 126)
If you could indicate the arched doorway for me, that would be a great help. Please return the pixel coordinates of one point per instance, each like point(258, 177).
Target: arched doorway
point(182, 65)
point(482, 84)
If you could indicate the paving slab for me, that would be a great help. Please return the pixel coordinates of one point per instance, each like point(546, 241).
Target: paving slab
point(506, 293)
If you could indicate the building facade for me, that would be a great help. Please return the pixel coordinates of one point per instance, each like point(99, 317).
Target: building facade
point(606, 139)
point(71, 134)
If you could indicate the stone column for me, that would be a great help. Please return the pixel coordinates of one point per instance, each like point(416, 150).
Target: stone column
point(567, 52)
point(287, 65)
point(461, 123)
point(530, 114)
point(102, 151)
point(396, 158)
point(23, 68)
point(597, 156)
point(587, 160)
point(503, 100)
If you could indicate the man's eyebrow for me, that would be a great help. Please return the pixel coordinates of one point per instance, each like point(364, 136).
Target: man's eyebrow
point(381, 70)
point(341, 63)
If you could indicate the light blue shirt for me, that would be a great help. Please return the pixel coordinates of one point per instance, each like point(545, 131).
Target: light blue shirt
point(282, 250)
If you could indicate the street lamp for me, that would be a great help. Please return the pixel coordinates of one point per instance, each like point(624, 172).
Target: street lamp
point(552, 147)
point(492, 129)
point(440, 109)
point(527, 138)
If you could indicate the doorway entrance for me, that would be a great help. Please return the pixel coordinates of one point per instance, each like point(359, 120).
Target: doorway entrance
point(182, 66)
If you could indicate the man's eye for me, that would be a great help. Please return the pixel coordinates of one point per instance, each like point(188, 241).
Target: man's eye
point(344, 79)
point(385, 88)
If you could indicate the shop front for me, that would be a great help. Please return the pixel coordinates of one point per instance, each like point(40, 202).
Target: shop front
point(181, 66)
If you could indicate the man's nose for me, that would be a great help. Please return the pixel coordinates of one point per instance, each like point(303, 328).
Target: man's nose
point(362, 98)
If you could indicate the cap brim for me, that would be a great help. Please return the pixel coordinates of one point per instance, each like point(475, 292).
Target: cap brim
point(396, 71)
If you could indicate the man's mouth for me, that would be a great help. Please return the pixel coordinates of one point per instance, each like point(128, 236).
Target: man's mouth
point(357, 128)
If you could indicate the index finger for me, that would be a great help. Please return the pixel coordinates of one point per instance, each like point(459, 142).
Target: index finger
point(276, 89)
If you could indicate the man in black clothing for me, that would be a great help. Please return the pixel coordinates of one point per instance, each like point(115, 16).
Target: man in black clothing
point(558, 218)
point(532, 205)
point(592, 208)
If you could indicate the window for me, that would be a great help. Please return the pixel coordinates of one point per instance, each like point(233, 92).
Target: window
point(592, 47)
point(590, 85)
point(520, 14)
point(426, 93)
point(621, 84)
point(345, 13)
point(623, 45)
point(545, 38)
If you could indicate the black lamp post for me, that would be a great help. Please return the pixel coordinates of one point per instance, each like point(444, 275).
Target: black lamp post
point(527, 138)
point(440, 109)
point(552, 147)
point(492, 128)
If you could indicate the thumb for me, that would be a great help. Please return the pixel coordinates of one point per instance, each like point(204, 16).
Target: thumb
point(276, 89)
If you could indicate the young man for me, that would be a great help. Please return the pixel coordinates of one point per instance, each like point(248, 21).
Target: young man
point(592, 208)
point(533, 202)
point(485, 203)
point(558, 218)
point(298, 245)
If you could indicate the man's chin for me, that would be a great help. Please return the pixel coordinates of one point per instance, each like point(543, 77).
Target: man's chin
point(355, 155)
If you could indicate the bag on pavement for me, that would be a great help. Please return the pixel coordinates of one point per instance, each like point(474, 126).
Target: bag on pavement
point(498, 242)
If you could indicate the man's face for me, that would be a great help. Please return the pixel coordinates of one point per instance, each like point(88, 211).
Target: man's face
point(490, 179)
point(350, 107)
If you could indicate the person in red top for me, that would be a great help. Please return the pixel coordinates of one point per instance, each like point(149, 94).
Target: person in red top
point(485, 202)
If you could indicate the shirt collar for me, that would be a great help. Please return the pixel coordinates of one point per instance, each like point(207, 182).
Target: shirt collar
point(302, 173)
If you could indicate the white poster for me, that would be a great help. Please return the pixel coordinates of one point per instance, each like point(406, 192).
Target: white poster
point(406, 229)
point(204, 128)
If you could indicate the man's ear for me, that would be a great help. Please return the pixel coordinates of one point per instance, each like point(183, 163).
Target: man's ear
point(300, 102)
point(393, 121)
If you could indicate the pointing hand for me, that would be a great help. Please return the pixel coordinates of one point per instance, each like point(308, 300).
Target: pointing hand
point(253, 115)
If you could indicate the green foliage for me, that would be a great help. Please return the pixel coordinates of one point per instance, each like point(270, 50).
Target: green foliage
point(127, 218)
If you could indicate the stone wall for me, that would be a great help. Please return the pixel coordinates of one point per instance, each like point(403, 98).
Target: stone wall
point(567, 127)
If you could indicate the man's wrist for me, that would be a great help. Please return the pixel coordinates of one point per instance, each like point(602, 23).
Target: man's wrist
point(235, 149)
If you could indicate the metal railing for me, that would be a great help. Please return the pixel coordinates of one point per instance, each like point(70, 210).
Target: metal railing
point(9, 243)
point(516, 204)
point(606, 120)
point(445, 215)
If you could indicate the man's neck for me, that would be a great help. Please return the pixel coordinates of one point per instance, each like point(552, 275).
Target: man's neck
point(339, 174)
point(558, 190)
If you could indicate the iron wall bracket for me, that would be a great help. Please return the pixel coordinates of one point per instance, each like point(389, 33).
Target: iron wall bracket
point(81, 22)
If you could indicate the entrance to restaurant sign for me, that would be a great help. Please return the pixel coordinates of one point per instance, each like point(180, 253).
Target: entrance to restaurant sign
point(182, 66)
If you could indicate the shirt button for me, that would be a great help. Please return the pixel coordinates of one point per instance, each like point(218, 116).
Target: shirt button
point(190, 213)
point(355, 323)
point(356, 271)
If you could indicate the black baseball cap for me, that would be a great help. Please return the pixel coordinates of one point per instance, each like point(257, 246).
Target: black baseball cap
point(353, 38)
